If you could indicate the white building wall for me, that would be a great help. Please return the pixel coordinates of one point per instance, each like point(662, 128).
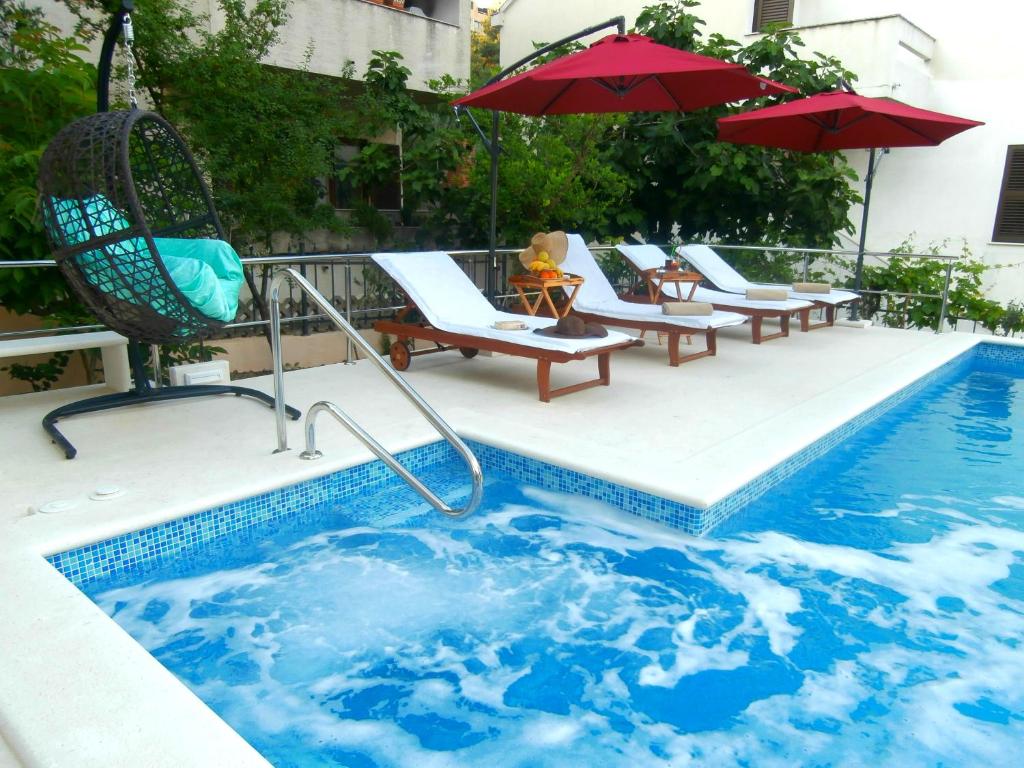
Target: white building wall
point(342, 30)
point(943, 56)
point(350, 30)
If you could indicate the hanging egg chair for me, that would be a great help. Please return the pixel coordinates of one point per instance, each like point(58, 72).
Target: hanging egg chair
point(132, 227)
point(124, 207)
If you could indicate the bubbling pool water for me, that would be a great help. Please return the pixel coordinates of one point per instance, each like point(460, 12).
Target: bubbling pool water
point(870, 610)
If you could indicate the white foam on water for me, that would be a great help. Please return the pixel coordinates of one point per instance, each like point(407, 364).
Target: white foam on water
point(1013, 502)
point(552, 731)
point(359, 611)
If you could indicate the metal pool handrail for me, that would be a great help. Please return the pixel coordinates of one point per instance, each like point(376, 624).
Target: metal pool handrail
point(296, 278)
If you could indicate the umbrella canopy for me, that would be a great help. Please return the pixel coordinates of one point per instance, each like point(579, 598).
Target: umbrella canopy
point(841, 120)
point(623, 73)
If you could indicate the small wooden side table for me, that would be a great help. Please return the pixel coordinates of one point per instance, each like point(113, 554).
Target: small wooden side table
point(657, 279)
point(543, 286)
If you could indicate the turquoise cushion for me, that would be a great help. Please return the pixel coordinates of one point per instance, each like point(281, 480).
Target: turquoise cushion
point(207, 272)
point(104, 217)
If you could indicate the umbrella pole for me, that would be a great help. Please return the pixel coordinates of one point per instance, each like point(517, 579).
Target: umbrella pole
point(619, 22)
point(858, 274)
point(492, 256)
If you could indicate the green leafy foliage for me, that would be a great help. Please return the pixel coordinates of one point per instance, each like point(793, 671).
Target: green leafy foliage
point(925, 280)
point(263, 134)
point(41, 376)
point(553, 174)
point(483, 58)
point(182, 354)
point(44, 84)
point(1012, 321)
point(693, 187)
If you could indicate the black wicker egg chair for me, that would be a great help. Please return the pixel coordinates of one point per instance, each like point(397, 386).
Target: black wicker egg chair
point(110, 183)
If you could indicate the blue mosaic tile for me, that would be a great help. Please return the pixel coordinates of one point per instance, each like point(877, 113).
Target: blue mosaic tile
point(545, 475)
point(1005, 354)
point(137, 550)
point(151, 546)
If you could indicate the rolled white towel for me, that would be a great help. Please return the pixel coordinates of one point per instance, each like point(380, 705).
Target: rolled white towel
point(767, 294)
point(686, 308)
point(812, 287)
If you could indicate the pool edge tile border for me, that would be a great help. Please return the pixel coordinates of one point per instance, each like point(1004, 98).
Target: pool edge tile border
point(134, 550)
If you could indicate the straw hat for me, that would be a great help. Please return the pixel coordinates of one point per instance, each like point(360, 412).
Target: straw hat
point(555, 244)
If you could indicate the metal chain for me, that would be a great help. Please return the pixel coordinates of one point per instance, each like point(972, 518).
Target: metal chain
point(129, 51)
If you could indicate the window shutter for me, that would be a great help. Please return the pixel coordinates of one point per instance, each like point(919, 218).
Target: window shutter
point(772, 12)
point(1010, 212)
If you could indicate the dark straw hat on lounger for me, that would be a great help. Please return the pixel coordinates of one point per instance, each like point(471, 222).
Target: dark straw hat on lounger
point(573, 327)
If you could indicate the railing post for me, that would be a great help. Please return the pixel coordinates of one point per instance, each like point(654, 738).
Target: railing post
point(350, 350)
point(945, 298)
point(807, 264)
point(275, 347)
point(303, 301)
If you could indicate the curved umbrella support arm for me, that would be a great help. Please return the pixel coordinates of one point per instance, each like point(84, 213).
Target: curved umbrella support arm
point(619, 22)
point(494, 147)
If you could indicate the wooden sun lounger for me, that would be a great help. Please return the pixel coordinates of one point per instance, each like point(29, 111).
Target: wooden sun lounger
point(756, 315)
point(674, 331)
point(402, 352)
point(830, 315)
point(805, 318)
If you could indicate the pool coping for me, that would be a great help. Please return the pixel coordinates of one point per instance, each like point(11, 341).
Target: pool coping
point(138, 550)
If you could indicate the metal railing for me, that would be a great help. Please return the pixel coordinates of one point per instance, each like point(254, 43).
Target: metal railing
point(294, 276)
point(808, 253)
point(336, 274)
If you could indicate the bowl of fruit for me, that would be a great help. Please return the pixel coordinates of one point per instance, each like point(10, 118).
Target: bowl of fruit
point(544, 267)
point(545, 253)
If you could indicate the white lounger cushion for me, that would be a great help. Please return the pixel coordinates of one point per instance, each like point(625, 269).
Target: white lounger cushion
point(706, 261)
point(451, 302)
point(597, 296)
point(651, 256)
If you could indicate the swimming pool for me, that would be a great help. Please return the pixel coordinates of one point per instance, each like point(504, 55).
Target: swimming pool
point(869, 609)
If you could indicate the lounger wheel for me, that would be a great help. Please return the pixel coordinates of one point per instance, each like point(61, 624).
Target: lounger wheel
point(400, 354)
point(469, 352)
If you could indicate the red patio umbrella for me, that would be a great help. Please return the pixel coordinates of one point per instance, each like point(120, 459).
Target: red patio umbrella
point(843, 120)
point(618, 73)
point(623, 73)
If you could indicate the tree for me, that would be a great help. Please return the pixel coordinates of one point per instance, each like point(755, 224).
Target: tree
point(263, 135)
point(44, 84)
point(484, 47)
point(688, 183)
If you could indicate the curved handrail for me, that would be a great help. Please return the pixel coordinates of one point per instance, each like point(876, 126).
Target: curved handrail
point(371, 354)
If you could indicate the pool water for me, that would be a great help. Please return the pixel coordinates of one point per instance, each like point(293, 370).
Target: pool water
point(868, 610)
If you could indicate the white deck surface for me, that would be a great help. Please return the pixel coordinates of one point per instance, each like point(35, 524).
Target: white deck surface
point(76, 690)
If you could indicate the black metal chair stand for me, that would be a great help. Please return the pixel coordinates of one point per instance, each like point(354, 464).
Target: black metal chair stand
point(109, 184)
point(142, 394)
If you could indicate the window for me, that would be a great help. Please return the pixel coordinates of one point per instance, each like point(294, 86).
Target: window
point(772, 12)
point(1009, 226)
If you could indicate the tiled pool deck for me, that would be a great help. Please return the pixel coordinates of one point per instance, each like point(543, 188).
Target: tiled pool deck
point(705, 437)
